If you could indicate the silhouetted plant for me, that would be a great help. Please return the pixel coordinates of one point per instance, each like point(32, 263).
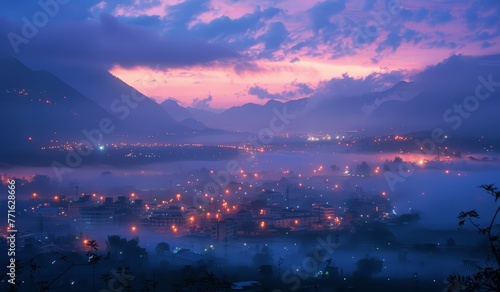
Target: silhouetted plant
point(44, 285)
point(486, 277)
point(368, 266)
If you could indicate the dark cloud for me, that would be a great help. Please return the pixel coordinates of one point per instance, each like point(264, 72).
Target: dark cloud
point(300, 89)
point(351, 86)
point(238, 33)
point(263, 93)
point(441, 44)
point(110, 42)
point(395, 38)
point(418, 15)
point(276, 35)
point(303, 88)
point(180, 15)
point(485, 35)
point(241, 68)
point(440, 17)
point(482, 14)
point(486, 45)
point(369, 4)
point(321, 13)
point(202, 103)
point(151, 21)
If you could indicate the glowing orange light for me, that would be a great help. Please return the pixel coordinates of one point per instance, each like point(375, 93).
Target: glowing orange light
point(262, 224)
point(133, 195)
point(85, 241)
point(34, 195)
point(447, 171)
point(134, 228)
point(56, 198)
point(227, 191)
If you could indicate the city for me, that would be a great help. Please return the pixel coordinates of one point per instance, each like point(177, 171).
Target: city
point(220, 145)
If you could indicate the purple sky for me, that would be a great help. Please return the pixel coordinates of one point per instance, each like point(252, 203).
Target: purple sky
point(248, 51)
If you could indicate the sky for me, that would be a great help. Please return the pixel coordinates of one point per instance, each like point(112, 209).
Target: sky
point(213, 54)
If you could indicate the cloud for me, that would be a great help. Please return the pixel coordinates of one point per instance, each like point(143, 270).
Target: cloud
point(276, 35)
point(486, 45)
point(239, 33)
point(395, 38)
point(302, 88)
point(241, 68)
point(181, 14)
point(441, 44)
point(346, 85)
point(440, 17)
point(263, 93)
point(369, 4)
point(417, 15)
point(109, 42)
point(298, 90)
point(482, 14)
point(321, 13)
point(203, 103)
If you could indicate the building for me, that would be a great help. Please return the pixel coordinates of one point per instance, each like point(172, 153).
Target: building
point(243, 216)
point(323, 212)
point(225, 230)
point(94, 216)
point(166, 220)
point(293, 222)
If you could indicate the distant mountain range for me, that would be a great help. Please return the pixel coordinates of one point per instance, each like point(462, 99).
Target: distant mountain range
point(432, 100)
point(38, 108)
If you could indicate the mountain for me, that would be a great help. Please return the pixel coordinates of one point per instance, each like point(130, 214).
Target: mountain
point(202, 115)
point(440, 96)
point(446, 97)
point(249, 117)
point(193, 124)
point(142, 117)
point(175, 110)
point(37, 107)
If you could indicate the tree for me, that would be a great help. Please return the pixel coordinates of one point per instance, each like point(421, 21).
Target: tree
point(363, 169)
point(487, 277)
point(408, 218)
point(398, 159)
point(162, 248)
point(265, 257)
point(367, 267)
